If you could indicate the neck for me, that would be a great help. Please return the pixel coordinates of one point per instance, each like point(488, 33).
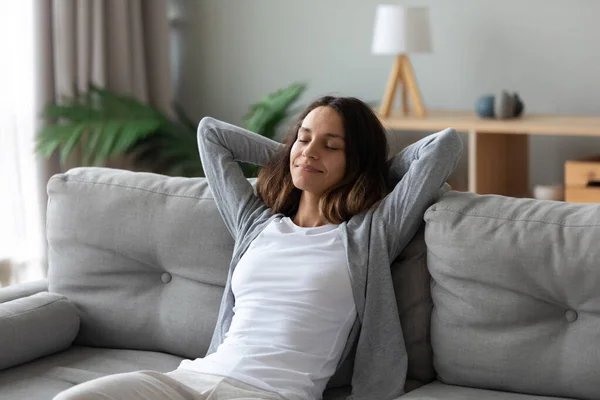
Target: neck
point(308, 214)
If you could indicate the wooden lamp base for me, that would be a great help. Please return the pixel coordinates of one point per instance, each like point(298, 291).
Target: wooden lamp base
point(402, 74)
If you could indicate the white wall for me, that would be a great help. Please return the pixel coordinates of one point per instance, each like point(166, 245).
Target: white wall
point(229, 53)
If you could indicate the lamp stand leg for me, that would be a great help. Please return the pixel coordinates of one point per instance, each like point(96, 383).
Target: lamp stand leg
point(390, 88)
point(404, 96)
point(409, 80)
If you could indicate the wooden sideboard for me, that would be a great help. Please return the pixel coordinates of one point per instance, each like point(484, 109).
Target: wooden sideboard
point(498, 150)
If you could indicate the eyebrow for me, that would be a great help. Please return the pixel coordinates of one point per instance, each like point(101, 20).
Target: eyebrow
point(302, 128)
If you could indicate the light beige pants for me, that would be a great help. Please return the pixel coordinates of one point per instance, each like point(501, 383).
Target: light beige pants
point(175, 385)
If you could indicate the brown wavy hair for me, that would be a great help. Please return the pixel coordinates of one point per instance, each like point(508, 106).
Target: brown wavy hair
point(365, 180)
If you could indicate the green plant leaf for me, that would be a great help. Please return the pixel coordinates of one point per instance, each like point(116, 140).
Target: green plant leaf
point(127, 137)
point(50, 138)
point(90, 145)
point(71, 142)
point(265, 115)
point(113, 125)
point(106, 124)
point(109, 137)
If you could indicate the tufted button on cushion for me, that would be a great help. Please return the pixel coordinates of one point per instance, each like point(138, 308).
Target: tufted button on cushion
point(166, 277)
point(571, 315)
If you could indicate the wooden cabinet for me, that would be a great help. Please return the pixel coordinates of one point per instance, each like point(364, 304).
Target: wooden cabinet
point(498, 150)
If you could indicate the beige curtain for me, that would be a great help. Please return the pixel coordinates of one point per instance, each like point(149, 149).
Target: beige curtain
point(121, 45)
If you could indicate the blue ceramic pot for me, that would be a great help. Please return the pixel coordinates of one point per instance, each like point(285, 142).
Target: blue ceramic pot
point(484, 106)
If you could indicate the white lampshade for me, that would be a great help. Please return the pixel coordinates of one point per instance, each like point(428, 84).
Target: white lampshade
point(401, 29)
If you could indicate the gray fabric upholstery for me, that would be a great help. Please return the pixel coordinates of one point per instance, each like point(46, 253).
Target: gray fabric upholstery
point(44, 378)
point(35, 326)
point(439, 391)
point(143, 256)
point(413, 297)
point(516, 294)
point(17, 291)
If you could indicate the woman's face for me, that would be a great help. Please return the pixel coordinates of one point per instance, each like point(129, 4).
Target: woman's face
point(318, 156)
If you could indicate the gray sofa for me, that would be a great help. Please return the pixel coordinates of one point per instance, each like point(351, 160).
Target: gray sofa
point(499, 297)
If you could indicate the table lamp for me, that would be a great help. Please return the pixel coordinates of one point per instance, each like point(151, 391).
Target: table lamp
point(400, 30)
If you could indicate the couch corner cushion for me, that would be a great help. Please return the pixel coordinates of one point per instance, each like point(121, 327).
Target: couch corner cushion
point(516, 294)
point(35, 326)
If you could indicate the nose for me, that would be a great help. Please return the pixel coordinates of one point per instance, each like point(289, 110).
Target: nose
point(310, 151)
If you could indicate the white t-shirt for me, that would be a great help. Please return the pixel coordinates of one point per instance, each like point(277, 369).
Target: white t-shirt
point(293, 312)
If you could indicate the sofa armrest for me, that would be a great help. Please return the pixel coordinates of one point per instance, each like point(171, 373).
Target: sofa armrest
point(13, 292)
point(36, 326)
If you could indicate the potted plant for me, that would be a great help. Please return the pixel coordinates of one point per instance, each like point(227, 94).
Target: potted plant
point(105, 125)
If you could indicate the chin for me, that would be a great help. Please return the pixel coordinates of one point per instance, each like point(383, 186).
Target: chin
point(300, 186)
point(304, 186)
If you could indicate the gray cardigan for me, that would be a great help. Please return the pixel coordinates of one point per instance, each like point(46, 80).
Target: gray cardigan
point(374, 360)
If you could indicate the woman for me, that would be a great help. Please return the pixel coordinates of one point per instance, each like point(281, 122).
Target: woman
point(309, 301)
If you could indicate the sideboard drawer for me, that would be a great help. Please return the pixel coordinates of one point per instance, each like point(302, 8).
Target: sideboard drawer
point(581, 173)
point(582, 195)
point(582, 181)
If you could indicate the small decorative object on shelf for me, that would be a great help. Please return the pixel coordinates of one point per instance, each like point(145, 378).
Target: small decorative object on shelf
point(502, 106)
point(549, 192)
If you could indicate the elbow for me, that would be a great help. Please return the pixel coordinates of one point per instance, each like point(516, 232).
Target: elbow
point(206, 132)
point(451, 141)
point(205, 127)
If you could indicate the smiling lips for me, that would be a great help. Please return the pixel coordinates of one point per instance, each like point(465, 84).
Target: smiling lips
point(308, 168)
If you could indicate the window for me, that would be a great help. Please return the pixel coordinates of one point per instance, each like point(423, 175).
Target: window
point(20, 225)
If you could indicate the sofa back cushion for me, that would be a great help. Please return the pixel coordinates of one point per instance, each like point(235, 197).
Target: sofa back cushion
point(144, 257)
point(413, 299)
point(516, 292)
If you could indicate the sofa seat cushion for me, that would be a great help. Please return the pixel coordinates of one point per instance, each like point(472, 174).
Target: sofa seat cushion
point(516, 292)
point(44, 378)
point(438, 390)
